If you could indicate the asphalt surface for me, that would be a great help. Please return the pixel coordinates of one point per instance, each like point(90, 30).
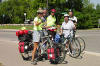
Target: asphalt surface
point(9, 54)
point(92, 39)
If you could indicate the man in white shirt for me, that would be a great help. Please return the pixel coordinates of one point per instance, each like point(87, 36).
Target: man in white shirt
point(67, 24)
point(72, 17)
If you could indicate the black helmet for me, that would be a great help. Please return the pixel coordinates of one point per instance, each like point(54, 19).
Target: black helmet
point(70, 10)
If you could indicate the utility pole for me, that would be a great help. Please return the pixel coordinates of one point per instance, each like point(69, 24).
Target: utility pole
point(47, 4)
point(98, 23)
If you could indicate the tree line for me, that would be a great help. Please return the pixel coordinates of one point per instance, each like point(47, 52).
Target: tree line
point(12, 11)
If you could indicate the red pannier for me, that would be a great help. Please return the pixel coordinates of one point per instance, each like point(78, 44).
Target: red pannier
point(20, 32)
point(26, 31)
point(50, 52)
point(24, 35)
point(53, 53)
point(21, 47)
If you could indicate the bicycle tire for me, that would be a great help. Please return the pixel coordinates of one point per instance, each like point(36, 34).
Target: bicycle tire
point(25, 56)
point(62, 54)
point(74, 48)
point(82, 43)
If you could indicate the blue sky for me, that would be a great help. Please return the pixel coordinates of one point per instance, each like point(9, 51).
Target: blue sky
point(95, 2)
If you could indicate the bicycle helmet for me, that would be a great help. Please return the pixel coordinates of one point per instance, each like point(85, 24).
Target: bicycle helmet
point(57, 38)
point(53, 10)
point(70, 10)
point(66, 15)
point(40, 10)
point(23, 28)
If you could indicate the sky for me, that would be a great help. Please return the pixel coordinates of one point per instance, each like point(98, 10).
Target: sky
point(95, 2)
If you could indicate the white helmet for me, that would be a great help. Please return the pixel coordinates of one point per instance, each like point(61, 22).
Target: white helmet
point(66, 15)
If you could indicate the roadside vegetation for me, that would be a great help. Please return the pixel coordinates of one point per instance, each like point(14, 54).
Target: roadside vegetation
point(84, 10)
point(29, 27)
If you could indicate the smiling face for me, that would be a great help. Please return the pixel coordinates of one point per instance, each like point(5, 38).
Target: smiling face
point(40, 15)
point(66, 19)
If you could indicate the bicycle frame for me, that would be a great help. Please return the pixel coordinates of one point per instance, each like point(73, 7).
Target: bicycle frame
point(72, 42)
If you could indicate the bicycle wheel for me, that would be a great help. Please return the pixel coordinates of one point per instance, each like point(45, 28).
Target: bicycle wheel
point(82, 43)
point(38, 56)
point(62, 53)
point(74, 48)
point(25, 55)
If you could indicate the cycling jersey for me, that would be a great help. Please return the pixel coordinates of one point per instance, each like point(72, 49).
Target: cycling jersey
point(73, 18)
point(51, 20)
point(39, 27)
point(70, 25)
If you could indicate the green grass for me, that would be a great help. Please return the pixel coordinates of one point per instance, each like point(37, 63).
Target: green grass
point(94, 29)
point(29, 27)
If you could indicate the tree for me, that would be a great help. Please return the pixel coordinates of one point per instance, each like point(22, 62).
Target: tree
point(75, 4)
point(83, 10)
point(15, 9)
point(98, 8)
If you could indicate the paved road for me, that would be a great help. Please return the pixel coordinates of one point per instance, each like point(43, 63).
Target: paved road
point(10, 56)
point(92, 39)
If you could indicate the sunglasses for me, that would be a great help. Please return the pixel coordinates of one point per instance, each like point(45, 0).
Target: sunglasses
point(66, 16)
point(52, 12)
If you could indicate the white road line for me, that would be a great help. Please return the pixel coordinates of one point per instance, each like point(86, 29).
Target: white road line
point(92, 53)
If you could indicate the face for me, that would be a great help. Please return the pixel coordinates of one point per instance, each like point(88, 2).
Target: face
point(66, 19)
point(70, 14)
point(52, 13)
point(40, 15)
point(44, 12)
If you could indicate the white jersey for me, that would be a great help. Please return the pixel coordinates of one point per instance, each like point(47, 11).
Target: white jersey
point(70, 25)
point(73, 18)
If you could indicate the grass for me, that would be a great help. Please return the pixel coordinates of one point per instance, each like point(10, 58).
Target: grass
point(94, 29)
point(29, 27)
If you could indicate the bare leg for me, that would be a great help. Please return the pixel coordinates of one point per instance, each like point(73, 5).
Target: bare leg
point(67, 44)
point(34, 50)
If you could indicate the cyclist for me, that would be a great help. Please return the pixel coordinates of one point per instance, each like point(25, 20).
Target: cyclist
point(67, 24)
point(37, 33)
point(72, 17)
point(44, 19)
point(45, 15)
point(50, 24)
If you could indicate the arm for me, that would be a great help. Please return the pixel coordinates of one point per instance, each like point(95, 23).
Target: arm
point(74, 26)
point(61, 30)
point(37, 23)
point(75, 21)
